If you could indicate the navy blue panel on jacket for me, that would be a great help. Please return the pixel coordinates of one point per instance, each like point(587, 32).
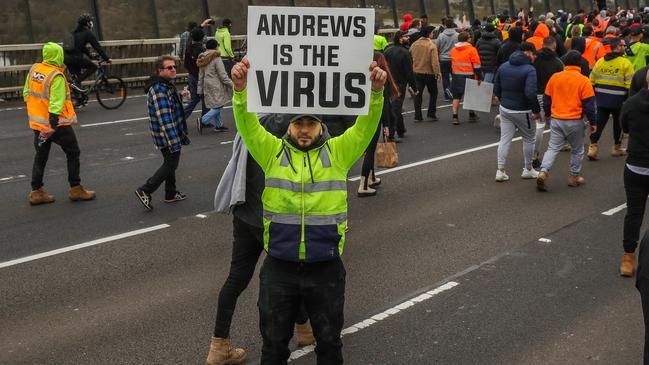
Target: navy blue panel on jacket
point(515, 84)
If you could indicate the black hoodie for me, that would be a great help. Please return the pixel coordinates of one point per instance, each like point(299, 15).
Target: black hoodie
point(546, 64)
point(511, 45)
point(635, 123)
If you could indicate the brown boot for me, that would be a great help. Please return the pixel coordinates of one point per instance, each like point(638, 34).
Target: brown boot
point(39, 196)
point(79, 193)
point(221, 353)
point(575, 181)
point(618, 151)
point(593, 152)
point(542, 181)
point(304, 334)
point(627, 267)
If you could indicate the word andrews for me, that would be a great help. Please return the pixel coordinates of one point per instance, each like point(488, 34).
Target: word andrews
point(312, 25)
point(304, 84)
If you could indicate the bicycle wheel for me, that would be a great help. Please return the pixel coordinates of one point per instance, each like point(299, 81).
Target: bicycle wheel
point(111, 92)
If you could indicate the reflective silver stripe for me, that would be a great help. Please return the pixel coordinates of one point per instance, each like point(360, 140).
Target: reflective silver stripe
point(476, 66)
point(462, 73)
point(37, 95)
point(46, 121)
point(49, 79)
point(315, 187)
point(609, 91)
point(68, 120)
point(462, 64)
point(607, 77)
point(284, 162)
point(310, 220)
point(324, 157)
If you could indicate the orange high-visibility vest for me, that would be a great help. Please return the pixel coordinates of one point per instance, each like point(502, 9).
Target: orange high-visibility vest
point(593, 51)
point(464, 59)
point(38, 98)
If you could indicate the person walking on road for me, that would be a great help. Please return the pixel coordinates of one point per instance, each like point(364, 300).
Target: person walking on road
point(169, 131)
point(400, 64)
point(636, 174)
point(547, 63)
point(515, 86)
point(222, 36)
point(51, 116)
point(427, 71)
point(445, 43)
point(611, 78)
point(239, 192)
point(568, 96)
point(465, 64)
point(488, 46)
point(304, 233)
point(214, 86)
point(194, 49)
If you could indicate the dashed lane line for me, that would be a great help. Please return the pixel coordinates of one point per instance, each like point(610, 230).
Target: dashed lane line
point(129, 120)
point(617, 209)
point(82, 245)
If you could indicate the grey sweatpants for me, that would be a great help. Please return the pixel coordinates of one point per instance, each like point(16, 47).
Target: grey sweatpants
point(509, 122)
point(540, 127)
point(561, 131)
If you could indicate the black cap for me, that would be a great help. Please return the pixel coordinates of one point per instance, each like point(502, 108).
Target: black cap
point(425, 31)
point(572, 58)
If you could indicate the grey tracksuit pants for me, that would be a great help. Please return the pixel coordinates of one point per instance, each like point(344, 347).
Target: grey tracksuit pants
point(509, 122)
point(540, 128)
point(561, 131)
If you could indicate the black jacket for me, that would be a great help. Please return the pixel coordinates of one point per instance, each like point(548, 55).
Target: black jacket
point(400, 64)
point(639, 80)
point(488, 46)
point(546, 64)
point(635, 123)
point(83, 37)
point(511, 45)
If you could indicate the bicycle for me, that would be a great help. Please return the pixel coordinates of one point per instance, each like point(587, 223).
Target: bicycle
point(110, 90)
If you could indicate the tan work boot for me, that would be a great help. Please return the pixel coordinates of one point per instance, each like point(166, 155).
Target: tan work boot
point(541, 181)
point(79, 193)
point(304, 334)
point(364, 190)
point(618, 151)
point(221, 353)
point(39, 196)
point(593, 152)
point(627, 267)
point(575, 181)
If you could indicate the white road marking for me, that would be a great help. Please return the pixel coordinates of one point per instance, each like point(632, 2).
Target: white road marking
point(9, 178)
point(91, 101)
point(129, 120)
point(82, 245)
point(227, 142)
point(127, 158)
point(381, 316)
point(439, 158)
point(201, 216)
point(545, 240)
point(615, 210)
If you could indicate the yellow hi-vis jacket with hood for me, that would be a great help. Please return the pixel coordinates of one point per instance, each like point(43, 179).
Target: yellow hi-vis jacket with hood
point(47, 92)
point(305, 193)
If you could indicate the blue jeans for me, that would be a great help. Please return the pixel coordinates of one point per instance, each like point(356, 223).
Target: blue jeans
point(214, 113)
point(192, 83)
point(489, 77)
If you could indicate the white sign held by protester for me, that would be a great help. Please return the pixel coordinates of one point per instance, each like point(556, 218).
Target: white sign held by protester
point(309, 60)
point(478, 97)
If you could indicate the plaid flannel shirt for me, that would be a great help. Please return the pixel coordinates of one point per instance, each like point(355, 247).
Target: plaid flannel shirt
point(167, 121)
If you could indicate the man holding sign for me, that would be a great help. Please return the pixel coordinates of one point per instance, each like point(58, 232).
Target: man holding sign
point(305, 209)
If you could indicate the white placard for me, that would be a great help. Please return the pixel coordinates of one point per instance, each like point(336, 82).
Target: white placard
point(477, 97)
point(309, 60)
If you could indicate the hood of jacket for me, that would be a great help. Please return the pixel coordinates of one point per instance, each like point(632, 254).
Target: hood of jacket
point(542, 31)
point(546, 54)
point(449, 32)
point(206, 57)
point(516, 34)
point(462, 45)
point(642, 103)
point(488, 35)
point(319, 143)
point(611, 56)
point(578, 44)
point(223, 30)
point(53, 54)
point(407, 17)
point(519, 58)
point(155, 79)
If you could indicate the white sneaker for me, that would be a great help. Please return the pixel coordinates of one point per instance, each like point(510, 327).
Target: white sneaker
point(497, 121)
point(529, 174)
point(501, 176)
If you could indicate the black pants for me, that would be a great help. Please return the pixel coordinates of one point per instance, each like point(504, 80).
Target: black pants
point(642, 284)
point(446, 69)
point(63, 136)
point(368, 160)
point(165, 173)
point(246, 247)
point(637, 189)
point(396, 121)
point(77, 63)
point(602, 120)
point(284, 285)
point(430, 83)
point(228, 63)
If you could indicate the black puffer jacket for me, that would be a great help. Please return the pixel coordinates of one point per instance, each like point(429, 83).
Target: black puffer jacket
point(546, 64)
point(488, 46)
point(511, 45)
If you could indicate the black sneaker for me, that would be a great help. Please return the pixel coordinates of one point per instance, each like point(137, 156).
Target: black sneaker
point(536, 164)
point(456, 121)
point(221, 129)
point(474, 118)
point(176, 198)
point(145, 198)
point(433, 118)
point(418, 120)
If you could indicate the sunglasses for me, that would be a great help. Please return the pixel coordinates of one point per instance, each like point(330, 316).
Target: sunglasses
point(170, 68)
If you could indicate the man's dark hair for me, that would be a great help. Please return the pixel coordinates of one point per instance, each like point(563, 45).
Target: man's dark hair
point(397, 37)
point(549, 42)
point(160, 62)
point(226, 22)
point(587, 31)
point(448, 23)
point(212, 44)
point(197, 34)
point(425, 31)
point(463, 37)
point(572, 58)
point(615, 42)
point(527, 47)
point(191, 26)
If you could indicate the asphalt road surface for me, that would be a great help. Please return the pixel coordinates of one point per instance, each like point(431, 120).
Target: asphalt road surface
point(444, 265)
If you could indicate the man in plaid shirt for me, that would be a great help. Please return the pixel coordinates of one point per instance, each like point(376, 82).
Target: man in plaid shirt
point(168, 129)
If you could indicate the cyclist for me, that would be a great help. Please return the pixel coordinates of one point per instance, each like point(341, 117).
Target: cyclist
point(77, 56)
